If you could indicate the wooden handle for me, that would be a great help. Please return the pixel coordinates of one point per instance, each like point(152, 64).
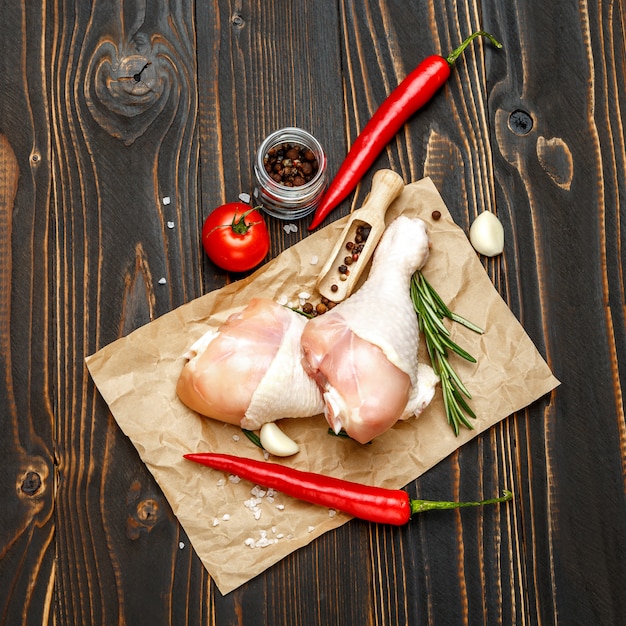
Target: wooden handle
point(386, 187)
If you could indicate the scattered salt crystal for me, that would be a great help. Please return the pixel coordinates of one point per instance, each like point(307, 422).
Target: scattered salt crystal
point(221, 482)
point(236, 437)
point(226, 517)
point(216, 522)
point(274, 529)
point(314, 260)
point(170, 224)
point(304, 295)
point(257, 514)
point(234, 479)
point(166, 200)
point(266, 455)
point(258, 492)
point(262, 542)
point(280, 507)
point(280, 536)
point(244, 197)
point(252, 503)
point(162, 281)
point(290, 228)
point(311, 529)
point(282, 300)
point(181, 545)
point(332, 512)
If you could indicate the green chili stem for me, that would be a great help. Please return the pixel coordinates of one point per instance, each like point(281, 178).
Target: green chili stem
point(454, 55)
point(418, 506)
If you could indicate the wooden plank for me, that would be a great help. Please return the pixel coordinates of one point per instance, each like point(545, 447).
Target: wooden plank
point(123, 94)
point(27, 351)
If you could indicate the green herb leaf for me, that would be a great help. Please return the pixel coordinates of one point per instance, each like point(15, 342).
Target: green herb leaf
point(431, 310)
point(253, 437)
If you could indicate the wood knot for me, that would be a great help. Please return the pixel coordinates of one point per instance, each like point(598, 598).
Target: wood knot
point(520, 122)
point(31, 483)
point(32, 480)
point(127, 86)
point(237, 20)
point(557, 161)
point(144, 512)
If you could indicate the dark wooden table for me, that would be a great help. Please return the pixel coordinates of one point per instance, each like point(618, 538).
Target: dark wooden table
point(88, 152)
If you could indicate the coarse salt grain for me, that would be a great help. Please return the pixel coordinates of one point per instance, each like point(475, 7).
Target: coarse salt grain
point(221, 482)
point(226, 517)
point(280, 507)
point(332, 512)
point(304, 295)
point(234, 479)
point(252, 503)
point(262, 542)
point(244, 197)
point(181, 545)
point(282, 300)
point(258, 492)
point(311, 529)
point(166, 200)
point(314, 260)
point(162, 281)
point(236, 437)
point(216, 522)
point(290, 228)
point(170, 224)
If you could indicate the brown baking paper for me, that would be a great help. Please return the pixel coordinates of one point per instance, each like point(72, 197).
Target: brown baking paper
point(236, 534)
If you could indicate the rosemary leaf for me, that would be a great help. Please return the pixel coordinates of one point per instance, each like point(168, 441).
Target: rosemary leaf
point(253, 437)
point(431, 310)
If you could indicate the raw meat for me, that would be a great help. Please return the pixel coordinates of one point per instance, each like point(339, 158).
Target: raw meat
point(250, 371)
point(363, 352)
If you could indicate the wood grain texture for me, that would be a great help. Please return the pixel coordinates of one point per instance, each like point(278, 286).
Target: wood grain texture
point(109, 108)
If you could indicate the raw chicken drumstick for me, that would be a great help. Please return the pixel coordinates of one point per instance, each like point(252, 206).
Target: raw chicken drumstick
point(363, 352)
point(250, 371)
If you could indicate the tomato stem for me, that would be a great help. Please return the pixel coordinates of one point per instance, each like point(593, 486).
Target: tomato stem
point(240, 226)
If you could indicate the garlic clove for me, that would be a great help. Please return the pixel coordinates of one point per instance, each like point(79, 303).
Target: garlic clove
point(486, 234)
point(274, 440)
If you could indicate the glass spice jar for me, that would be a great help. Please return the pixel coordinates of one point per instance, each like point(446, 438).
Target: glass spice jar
point(290, 171)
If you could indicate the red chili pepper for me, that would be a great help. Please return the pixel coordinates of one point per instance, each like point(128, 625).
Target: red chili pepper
point(409, 96)
point(374, 504)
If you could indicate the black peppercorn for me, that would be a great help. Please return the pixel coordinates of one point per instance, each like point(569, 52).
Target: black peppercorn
point(292, 165)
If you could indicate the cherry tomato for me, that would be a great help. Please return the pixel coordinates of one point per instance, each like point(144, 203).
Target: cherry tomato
point(235, 237)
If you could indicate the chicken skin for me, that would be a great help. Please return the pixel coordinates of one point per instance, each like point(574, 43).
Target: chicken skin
point(363, 352)
point(250, 371)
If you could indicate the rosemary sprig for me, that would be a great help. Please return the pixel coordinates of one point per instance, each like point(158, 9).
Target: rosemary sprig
point(431, 310)
point(253, 437)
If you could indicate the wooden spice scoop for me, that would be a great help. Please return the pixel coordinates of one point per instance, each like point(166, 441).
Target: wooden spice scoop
point(386, 187)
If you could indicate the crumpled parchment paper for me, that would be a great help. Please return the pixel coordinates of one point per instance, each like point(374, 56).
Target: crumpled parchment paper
point(237, 533)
